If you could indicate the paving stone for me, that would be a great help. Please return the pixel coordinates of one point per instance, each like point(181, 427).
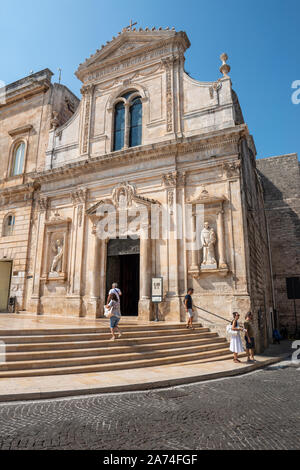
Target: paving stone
point(255, 411)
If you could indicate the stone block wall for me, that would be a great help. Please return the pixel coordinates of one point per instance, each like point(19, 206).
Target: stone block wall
point(26, 115)
point(257, 249)
point(15, 247)
point(281, 182)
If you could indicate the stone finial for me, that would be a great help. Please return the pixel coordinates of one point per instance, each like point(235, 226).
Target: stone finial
point(225, 68)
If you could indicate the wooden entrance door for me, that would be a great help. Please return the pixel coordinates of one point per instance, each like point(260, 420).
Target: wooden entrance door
point(123, 267)
point(5, 275)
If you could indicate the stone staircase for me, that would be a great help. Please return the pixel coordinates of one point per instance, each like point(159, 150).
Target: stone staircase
point(57, 351)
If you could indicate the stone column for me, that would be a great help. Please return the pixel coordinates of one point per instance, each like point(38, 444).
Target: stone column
point(145, 305)
point(127, 125)
point(102, 276)
point(78, 198)
point(221, 239)
point(87, 92)
point(194, 268)
point(95, 275)
point(38, 261)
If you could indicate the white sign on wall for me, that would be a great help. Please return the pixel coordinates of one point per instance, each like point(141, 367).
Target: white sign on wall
point(157, 289)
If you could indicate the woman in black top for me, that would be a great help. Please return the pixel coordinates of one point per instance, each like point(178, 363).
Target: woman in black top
point(188, 302)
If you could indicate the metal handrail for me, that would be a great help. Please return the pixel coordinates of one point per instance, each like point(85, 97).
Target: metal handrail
point(215, 315)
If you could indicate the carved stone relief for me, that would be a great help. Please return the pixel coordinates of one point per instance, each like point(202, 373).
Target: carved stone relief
point(174, 178)
point(43, 203)
point(87, 93)
point(231, 169)
point(56, 248)
point(168, 63)
point(209, 237)
point(208, 240)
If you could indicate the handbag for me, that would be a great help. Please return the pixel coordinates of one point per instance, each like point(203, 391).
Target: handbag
point(107, 312)
point(230, 331)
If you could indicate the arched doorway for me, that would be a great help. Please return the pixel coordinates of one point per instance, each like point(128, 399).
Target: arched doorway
point(123, 267)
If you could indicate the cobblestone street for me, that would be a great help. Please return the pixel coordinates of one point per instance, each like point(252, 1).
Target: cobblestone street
point(255, 411)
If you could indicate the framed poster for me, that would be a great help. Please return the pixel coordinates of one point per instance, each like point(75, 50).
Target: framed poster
point(157, 289)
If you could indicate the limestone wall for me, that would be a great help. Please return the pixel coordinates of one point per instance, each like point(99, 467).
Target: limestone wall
point(26, 116)
point(257, 248)
point(15, 247)
point(281, 182)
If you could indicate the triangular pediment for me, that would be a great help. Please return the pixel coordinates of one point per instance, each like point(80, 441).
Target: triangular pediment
point(125, 48)
point(129, 43)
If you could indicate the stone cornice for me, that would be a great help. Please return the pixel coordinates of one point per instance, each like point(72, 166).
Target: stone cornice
point(146, 152)
point(21, 188)
point(57, 220)
point(20, 193)
point(20, 130)
point(25, 88)
point(205, 198)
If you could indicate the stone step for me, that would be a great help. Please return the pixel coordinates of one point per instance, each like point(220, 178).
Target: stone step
point(167, 341)
point(119, 352)
point(18, 339)
point(216, 354)
point(153, 326)
point(106, 358)
point(23, 347)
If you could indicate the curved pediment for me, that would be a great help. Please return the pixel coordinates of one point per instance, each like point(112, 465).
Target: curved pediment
point(123, 196)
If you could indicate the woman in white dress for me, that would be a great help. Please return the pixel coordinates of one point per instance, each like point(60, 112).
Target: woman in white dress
point(236, 345)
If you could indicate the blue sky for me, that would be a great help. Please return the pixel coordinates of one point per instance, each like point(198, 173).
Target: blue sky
point(261, 39)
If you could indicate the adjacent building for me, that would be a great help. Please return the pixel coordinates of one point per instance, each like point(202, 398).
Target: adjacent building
point(28, 109)
point(280, 177)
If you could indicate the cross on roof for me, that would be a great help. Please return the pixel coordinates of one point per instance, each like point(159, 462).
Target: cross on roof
point(130, 25)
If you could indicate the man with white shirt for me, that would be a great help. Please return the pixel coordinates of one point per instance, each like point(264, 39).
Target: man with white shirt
point(117, 291)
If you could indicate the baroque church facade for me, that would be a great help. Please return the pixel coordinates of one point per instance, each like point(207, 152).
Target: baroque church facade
point(144, 137)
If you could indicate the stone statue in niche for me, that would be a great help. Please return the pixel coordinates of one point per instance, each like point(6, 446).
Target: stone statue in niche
point(208, 240)
point(58, 250)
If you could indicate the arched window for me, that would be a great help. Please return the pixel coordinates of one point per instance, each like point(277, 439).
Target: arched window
point(18, 160)
point(8, 225)
point(119, 126)
point(135, 135)
point(128, 121)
